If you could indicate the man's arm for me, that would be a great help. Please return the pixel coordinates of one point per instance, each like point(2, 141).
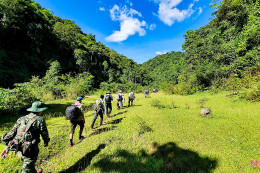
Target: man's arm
point(12, 132)
point(44, 132)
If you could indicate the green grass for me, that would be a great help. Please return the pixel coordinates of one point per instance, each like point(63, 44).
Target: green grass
point(162, 133)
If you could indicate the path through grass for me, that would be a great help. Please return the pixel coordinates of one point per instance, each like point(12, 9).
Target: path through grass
point(161, 133)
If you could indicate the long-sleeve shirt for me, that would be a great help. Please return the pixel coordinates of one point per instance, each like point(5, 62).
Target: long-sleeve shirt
point(37, 129)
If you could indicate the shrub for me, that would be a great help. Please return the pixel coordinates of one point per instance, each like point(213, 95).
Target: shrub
point(11, 100)
point(253, 93)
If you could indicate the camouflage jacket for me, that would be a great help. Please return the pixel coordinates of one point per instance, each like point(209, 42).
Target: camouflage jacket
point(37, 128)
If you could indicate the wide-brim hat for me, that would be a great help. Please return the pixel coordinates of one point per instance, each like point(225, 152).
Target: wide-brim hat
point(79, 98)
point(37, 106)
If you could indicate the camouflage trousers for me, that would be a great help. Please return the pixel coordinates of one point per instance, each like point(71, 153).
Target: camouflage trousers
point(29, 161)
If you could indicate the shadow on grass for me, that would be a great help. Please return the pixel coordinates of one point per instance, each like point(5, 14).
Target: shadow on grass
point(102, 130)
point(84, 162)
point(119, 113)
point(165, 158)
point(116, 121)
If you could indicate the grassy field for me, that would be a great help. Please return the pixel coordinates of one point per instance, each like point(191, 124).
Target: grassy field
point(162, 133)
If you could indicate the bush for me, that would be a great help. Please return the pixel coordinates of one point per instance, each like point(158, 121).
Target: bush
point(115, 87)
point(12, 100)
point(252, 94)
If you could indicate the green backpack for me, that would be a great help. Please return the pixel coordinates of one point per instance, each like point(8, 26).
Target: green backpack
point(97, 106)
point(21, 140)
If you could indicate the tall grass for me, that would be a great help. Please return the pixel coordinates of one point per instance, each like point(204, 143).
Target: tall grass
point(162, 133)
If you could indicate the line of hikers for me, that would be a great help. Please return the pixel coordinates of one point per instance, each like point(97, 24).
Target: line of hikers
point(24, 137)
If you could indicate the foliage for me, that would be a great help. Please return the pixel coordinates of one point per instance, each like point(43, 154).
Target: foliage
point(11, 100)
point(32, 37)
point(216, 55)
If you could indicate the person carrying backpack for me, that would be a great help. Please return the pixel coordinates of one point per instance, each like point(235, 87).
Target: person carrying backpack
point(108, 100)
point(99, 110)
point(24, 137)
point(78, 120)
point(131, 98)
point(120, 100)
point(146, 92)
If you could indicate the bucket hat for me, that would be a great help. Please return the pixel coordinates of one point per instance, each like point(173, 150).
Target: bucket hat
point(37, 106)
point(79, 98)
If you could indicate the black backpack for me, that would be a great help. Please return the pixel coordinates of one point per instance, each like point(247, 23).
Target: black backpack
point(72, 112)
point(107, 98)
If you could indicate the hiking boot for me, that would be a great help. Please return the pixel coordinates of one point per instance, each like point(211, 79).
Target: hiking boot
point(91, 127)
point(118, 108)
point(108, 116)
point(81, 137)
point(39, 170)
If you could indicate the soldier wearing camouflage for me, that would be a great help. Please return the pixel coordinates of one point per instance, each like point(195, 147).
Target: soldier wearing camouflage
point(36, 129)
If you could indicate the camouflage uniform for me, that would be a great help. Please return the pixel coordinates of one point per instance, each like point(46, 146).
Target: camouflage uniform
point(37, 128)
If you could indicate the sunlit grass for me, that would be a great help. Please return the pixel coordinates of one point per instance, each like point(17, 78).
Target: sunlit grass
point(160, 133)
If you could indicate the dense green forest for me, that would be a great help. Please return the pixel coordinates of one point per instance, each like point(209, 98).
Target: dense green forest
point(32, 38)
point(45, 57)
point(222, 54)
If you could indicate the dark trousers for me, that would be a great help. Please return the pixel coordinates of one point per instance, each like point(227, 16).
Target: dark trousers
point(108, 108)
point(130, 101)
point(96, 116)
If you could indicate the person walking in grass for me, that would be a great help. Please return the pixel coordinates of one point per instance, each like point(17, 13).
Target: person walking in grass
point(24, 137)
point(108, 101)
point(80, 120)
point(99, 110)
point(131, 98)
point(146, 92)
point(120, 100)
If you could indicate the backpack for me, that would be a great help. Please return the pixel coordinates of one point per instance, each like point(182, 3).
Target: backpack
point(72, 112)
point(107, 99)
point(132, 97)
point(119, 97)
point(21, 139)
point(97, 106)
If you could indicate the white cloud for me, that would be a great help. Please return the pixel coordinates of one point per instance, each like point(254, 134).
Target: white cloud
point(168, 14)
point(129, 2)
point(102, 8)
point(200, 10)
point(128, 24)
point(152, 26)
point(160, 53)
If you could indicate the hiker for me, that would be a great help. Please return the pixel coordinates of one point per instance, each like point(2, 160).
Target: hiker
point(80, 120)
point(24, 137)
point(108, 99)
point(119, 98)
point(98, 111)
point(146, 92)
point(155, 90)
point(131, 98)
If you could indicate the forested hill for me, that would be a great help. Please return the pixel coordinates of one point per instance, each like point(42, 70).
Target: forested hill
point(35, 42)
point(31, 38)
point(165, 68)
point(226, 47)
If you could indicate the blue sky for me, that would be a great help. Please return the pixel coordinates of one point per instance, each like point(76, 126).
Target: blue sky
point(138, 29)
